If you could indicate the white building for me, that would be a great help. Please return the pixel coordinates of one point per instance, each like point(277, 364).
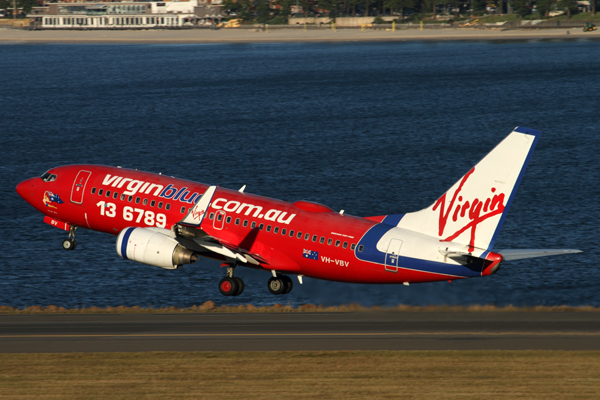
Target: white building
point(125, 15)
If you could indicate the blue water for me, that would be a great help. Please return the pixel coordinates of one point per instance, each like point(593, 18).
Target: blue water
point(368, 128)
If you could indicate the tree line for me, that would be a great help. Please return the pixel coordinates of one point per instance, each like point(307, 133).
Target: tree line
point(278, 11)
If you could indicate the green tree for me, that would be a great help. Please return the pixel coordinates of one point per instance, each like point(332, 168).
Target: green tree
point(430, 5)
point(262, 11)
point(26, 5)
point(399, 5)
point(243, 8)
point(568, 6)
point(353, 3)
point(367, 3)
point(478, 6)
point(520, 7)
point(543, 7)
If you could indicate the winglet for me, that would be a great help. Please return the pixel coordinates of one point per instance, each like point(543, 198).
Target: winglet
point(197, 213)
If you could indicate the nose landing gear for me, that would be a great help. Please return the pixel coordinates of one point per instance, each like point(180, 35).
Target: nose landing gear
point(70, 243)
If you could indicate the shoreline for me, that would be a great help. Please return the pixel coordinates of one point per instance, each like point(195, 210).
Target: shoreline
point(247, 36)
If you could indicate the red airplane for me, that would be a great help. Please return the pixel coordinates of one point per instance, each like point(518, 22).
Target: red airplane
point(167, 222)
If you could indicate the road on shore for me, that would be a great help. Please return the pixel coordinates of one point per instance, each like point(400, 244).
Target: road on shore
point(16, 36)
point(300, 331)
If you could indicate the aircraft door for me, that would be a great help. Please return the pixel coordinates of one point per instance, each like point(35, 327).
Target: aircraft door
point(219, 219)
point(392, 255)
point(79, 186)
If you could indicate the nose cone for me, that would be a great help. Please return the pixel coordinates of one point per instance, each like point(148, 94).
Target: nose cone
point(26, 188)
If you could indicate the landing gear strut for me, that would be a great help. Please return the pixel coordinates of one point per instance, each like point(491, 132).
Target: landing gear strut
point(282, 284)
point(70, 243)
point(230, 285)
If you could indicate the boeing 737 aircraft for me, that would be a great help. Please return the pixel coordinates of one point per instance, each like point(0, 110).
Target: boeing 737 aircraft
point(167, 222)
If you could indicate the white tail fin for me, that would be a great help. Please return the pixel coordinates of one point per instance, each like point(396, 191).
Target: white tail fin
point(473, 210)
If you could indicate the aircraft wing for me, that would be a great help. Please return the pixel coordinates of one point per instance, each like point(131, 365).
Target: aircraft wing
point(189, 230)
point(518, 254)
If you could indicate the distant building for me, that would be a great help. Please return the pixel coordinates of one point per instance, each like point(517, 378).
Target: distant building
point(126, 15)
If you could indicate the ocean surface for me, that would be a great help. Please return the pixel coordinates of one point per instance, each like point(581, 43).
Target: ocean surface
point(369, 128)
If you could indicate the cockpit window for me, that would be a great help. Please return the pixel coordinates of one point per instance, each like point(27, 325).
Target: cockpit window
point(48, 177)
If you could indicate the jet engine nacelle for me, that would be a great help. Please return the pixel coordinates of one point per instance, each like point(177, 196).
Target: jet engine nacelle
point(153, 247)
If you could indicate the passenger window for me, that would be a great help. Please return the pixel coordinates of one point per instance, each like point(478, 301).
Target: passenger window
point(137, 200)
point(93, 190)
point(253, 225)
point(183, 211)
point(276, 229)
point(168, 206)
point(314, 238)
point(337, 243)
point(352, 246)
point(345, 245)
point(268, 228)
point(228, 220)
point(219, 217)
point(306, 236)
point(108, 193)
point(322, 240)
point(237, 221)
point(283, 231)
point(145, 202)
point(123, 197)
point(130, 199)
point(115, 195)
point(261, 226)
point(291, 233)
point(360, 248)
point(152, 203)
point(245, 222)
point(100, 192)
point(299, 235)
point(329, 241)
point(160, 204)
point(211, 216)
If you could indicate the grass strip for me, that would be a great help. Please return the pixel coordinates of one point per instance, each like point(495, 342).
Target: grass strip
point(211, 307)
point(302, 375)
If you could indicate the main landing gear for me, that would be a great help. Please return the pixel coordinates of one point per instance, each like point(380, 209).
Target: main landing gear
point(234, 286)
point(281, 284)
point(230, 285)
point(70, 243)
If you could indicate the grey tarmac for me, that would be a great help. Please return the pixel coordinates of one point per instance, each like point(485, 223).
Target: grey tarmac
point(384, 330)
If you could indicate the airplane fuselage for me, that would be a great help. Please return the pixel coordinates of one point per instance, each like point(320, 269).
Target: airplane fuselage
point(302, 238)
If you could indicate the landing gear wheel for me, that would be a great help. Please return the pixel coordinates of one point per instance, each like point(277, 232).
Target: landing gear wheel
point(289, 285)
point(276, 285)
point(69, 244)
point(240, 286)
point(228, 286)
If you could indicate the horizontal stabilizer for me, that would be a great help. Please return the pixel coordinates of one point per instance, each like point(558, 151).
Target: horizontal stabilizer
point(518, 254)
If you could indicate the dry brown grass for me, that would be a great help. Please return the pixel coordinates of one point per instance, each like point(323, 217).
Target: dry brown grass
point(303, 375)
point(211, 307)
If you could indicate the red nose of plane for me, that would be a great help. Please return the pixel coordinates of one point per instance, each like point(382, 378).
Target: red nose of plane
point(26, 188)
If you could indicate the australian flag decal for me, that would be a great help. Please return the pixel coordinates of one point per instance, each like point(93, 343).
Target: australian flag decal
point(313, 255)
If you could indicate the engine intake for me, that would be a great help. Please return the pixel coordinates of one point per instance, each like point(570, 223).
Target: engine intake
point(153, 247)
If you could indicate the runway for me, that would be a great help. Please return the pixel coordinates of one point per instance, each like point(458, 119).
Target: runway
point(391, 330)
